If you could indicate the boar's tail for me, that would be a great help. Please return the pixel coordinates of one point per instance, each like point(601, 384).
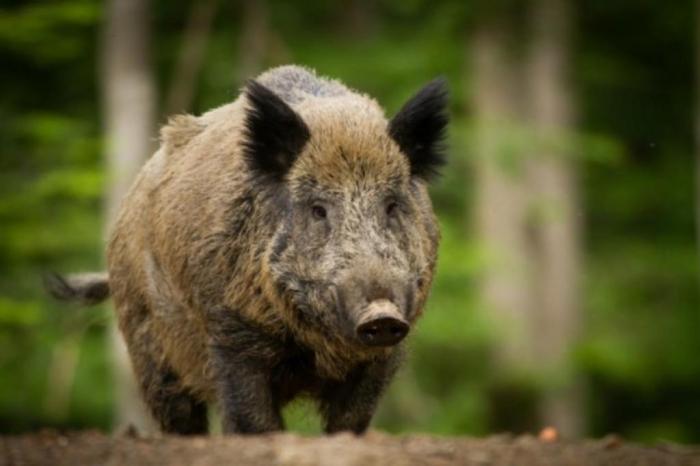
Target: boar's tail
point(86, 288)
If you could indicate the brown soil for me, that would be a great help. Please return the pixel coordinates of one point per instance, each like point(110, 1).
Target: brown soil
point(94, 448)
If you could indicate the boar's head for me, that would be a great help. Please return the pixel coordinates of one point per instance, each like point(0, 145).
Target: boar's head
point(355, 239)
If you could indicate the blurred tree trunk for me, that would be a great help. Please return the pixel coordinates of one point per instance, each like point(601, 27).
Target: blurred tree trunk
point(65, 355)
point(556, 202)
point(501, 197)
point(697, 128)
point(129, 113)
point(357, 18)
point(255, 39)
point(192, 51)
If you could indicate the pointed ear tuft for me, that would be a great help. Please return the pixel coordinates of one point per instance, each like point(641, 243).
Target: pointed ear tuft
point(419, 129)
point(274, 133)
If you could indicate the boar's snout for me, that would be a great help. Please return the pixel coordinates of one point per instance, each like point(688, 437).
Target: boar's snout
point(381, 324)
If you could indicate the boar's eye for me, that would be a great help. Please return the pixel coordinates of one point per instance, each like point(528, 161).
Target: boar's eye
point(392, 209)
point(318, 212)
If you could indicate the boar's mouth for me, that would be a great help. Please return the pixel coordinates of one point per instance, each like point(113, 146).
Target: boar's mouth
point(379, 323)
point(319, 305)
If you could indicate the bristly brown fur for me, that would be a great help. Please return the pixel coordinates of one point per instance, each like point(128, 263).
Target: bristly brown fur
point(252, 239)
point(179, 131)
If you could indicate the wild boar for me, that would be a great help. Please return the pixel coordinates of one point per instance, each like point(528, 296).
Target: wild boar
point(280, 245)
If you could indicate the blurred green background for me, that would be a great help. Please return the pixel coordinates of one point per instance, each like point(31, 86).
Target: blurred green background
point(631, 364)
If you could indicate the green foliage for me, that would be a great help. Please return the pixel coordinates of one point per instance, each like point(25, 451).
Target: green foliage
point(28, 30)
point(639, 346)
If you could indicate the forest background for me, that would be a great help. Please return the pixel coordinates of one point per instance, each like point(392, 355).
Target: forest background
point(567, 284)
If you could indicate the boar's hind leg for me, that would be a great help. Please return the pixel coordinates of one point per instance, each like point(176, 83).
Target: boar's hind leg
point(176, 411)
point(350, 405)
point(242, 357)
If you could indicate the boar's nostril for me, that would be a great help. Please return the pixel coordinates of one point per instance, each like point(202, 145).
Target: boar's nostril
point(384, 331)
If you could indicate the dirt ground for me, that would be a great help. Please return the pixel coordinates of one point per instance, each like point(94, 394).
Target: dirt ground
point(95, 448)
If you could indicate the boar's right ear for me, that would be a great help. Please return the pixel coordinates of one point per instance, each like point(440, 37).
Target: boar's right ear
point(274, 133)
point(419, 129)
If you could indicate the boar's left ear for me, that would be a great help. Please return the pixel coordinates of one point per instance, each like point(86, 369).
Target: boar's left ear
point(274, 133)
point(419, 127)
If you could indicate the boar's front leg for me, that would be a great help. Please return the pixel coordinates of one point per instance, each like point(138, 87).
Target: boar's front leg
point(245, 397)
point(350, 405)
point(242, 358)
